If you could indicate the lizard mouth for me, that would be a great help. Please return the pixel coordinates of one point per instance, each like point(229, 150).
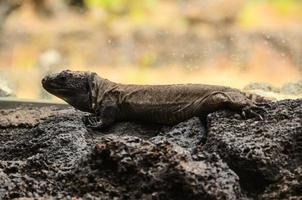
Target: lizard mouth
point(52, 86)
point(55, 88)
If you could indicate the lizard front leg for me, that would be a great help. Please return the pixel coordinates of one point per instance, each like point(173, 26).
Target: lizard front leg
point(102, 119)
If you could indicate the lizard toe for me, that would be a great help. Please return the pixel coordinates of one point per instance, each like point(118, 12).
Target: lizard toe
point(265, 105)
point(92, 122)
point(259, 109)
point(256, 114)
point(255, 111)
point(243, 114)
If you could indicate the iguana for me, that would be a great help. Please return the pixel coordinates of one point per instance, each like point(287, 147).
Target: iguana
point(163, 104)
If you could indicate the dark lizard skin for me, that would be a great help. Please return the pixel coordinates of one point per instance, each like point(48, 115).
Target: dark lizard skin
point(162, 104)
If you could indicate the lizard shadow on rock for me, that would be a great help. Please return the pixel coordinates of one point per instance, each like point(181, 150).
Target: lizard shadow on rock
point(138, 129)
point(188, 134)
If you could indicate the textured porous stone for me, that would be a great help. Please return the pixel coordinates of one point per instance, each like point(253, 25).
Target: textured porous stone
point(288, 187)
point(162, 171)
point(188, 134)
point(34, 158)
point(20, 117)
point(57, 157)
point(259, 150)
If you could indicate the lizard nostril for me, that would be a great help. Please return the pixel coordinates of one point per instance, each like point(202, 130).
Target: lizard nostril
point(44, 82)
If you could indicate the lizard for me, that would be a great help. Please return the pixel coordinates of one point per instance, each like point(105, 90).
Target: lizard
point(109, 102)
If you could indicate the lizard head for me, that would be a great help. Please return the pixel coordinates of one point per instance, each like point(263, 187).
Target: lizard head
point(71, 86)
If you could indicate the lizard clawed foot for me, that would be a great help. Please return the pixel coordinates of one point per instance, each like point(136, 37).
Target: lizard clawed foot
point(93, 122)
point(253, 111)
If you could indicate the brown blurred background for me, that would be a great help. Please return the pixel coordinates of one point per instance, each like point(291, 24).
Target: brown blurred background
point(254, 44)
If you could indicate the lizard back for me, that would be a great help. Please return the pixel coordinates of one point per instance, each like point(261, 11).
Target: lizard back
point(165, 104)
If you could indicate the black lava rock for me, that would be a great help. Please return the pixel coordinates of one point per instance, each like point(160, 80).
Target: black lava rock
point(53, 155)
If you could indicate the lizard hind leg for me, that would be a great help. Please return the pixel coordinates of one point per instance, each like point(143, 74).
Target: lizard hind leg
point(254, 111)
point(246, 107)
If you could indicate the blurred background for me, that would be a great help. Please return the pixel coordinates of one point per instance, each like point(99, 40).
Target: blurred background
point(247, 44)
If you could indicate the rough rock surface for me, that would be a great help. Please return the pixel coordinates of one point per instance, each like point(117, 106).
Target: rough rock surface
point(28, 117)
point(261, 153)
point(228, 158)
point(144, 170)
point(189, 134)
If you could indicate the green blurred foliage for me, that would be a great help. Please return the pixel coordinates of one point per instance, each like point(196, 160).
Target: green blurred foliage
point(249, 15)
point(132, 8)
point(287, 6)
